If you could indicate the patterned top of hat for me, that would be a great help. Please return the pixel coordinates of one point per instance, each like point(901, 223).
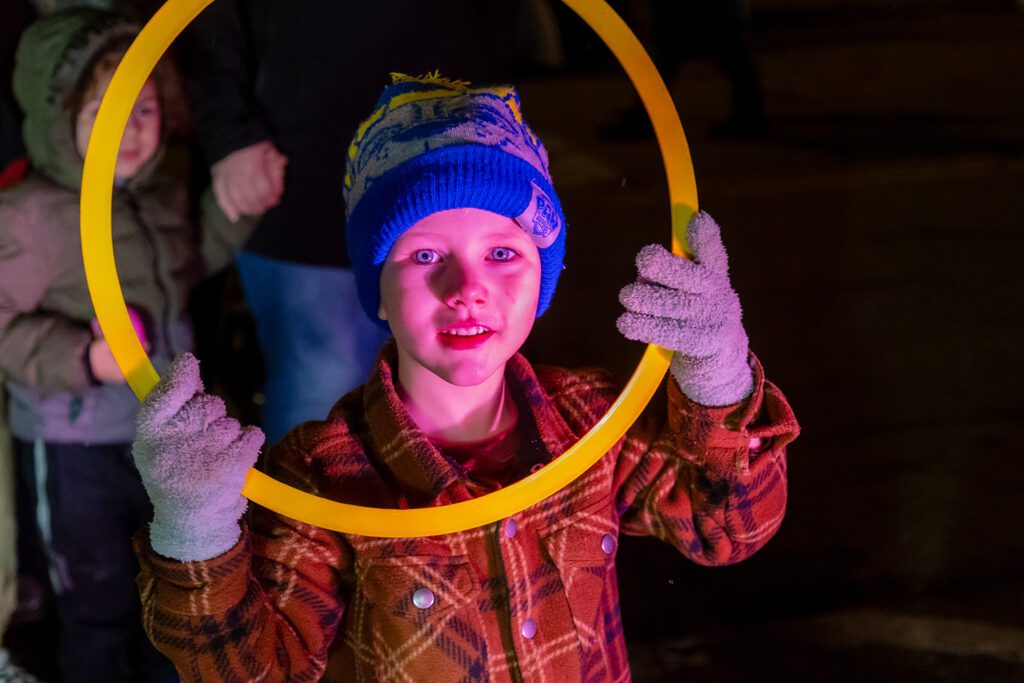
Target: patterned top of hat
point(419, 114)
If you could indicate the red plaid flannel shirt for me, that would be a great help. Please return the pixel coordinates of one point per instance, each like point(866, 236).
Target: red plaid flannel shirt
point(532, 598)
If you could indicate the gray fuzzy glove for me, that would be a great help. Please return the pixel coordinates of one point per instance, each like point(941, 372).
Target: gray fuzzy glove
point(193, 460)
point(691, 308)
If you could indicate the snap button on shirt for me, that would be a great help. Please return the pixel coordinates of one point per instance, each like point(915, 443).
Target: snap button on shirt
point(510, 528)
point(608, 544)
point(529, 629)
point(423, 598)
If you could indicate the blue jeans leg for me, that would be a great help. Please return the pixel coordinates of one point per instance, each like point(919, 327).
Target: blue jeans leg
point(317, 342)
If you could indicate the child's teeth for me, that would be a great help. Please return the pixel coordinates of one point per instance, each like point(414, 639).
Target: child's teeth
point(467, 331)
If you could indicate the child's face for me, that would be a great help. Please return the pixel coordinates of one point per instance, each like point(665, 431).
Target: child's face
point(460, 291)
point(142, 134)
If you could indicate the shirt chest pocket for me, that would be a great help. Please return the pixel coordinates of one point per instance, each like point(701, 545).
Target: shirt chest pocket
point(583, 547)
point(405, 604)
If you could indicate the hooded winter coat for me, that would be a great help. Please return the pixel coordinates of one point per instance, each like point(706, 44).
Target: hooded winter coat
point(45, 307)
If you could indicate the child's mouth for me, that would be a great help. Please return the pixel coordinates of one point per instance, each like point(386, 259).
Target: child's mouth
point(464, 336)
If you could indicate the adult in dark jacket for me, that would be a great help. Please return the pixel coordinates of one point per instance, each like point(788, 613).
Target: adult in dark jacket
point(281, 88)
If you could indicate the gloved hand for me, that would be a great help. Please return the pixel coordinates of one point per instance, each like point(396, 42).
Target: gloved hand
point(691, 308)
point(193, 460)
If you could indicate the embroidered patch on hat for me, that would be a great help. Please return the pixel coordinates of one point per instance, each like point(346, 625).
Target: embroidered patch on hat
point(540, 219)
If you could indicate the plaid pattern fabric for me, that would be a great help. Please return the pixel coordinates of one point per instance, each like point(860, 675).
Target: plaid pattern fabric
point(532, 598)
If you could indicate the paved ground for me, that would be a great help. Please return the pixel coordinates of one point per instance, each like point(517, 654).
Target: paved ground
point(874, 235)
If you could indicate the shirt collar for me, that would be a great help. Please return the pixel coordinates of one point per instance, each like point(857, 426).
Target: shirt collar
point(424, 474)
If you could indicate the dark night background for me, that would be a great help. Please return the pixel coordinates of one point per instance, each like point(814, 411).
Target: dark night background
point(874, 232)
point(875, 235)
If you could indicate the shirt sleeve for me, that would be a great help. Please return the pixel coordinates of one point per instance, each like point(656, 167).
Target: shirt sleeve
point(220, 239)
point(42, 349)
point(709, 481)
point(266, 610)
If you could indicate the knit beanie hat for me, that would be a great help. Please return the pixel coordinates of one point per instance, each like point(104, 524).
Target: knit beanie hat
point(431, 145)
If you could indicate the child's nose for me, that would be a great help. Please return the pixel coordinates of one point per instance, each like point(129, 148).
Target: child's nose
point(133, 125)
point(466, 287)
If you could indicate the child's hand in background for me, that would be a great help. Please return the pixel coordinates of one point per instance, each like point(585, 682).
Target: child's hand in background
point(193, 460)
point(691, 308)
point(101, 359)
point(102, 364)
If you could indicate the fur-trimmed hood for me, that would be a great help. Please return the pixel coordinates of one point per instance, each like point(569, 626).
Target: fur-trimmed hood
point(50, 63)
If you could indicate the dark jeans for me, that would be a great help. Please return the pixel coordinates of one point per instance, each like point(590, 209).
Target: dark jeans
point(89, 501)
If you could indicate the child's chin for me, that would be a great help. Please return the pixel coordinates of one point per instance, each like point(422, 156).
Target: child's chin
point(125, 172)
point(126, 168)
point(469, 375)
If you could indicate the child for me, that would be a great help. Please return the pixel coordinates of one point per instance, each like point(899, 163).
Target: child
point(71, 414)
point(457, 239)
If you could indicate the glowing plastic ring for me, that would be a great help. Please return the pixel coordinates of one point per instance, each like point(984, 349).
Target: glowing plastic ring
point(108, 299)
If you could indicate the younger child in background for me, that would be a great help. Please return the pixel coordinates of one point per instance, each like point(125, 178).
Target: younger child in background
point(457, 239)
point(71, 413)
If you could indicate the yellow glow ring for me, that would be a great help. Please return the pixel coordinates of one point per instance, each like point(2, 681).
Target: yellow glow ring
point(108, 299)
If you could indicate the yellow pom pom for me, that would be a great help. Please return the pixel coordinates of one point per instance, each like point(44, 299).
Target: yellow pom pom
point(433, 78)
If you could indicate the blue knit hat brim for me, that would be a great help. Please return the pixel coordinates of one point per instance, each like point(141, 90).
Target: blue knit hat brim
point(456, 177)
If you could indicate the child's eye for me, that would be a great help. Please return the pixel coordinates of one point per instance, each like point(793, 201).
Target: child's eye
point(425, 256)
point(503, 254)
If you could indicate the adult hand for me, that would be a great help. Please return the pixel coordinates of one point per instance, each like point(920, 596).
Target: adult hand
point(193, 460)
point(691, 308)
point(249, 180)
